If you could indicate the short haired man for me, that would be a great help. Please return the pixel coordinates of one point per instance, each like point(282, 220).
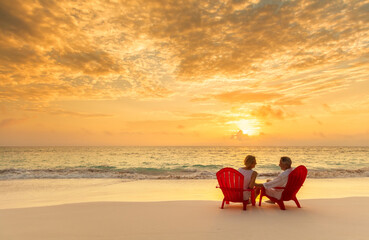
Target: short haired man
point(280, 181)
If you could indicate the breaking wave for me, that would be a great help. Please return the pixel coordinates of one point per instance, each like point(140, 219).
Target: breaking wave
point(184, 172)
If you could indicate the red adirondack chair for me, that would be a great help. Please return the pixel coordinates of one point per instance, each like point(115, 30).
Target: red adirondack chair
point(231, 183)
point(295, 180)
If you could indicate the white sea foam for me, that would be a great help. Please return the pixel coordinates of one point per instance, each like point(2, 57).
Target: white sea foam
point(135, 174)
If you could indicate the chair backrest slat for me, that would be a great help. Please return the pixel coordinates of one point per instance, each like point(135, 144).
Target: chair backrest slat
point(226, 179)
point(237, 180)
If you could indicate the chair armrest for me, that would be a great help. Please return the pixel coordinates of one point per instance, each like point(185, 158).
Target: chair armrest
point(228, 188)
point(237, 189)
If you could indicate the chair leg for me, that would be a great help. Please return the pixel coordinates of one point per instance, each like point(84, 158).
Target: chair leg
point(297, 202)
point(262, 191)
point(222, 204)
point(245, 204)
point(281, 205)
point(253, 198)
point(227, 202)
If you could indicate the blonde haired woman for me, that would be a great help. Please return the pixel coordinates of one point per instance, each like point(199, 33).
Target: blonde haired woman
point(249, 176)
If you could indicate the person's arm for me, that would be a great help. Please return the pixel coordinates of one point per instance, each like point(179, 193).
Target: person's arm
point(252, 180)
point(276, 182)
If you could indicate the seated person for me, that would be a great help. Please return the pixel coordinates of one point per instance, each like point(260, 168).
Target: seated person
point(280, 181)
point(249, 176)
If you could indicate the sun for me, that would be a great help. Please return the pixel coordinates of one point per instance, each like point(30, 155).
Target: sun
point(250, 127)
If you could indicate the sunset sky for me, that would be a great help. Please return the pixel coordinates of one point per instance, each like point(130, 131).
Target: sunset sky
point(152, 72)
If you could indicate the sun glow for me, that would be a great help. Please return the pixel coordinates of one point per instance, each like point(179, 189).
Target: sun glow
point(250, 127)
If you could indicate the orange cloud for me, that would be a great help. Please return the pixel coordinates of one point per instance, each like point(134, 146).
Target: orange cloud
point(161, 43)
point(58, 111)
point(290, 101)
point(316, 120)
point(88, 62)
point(203, 116)
point(241, 96)
point(11, 121)
point(266, 111)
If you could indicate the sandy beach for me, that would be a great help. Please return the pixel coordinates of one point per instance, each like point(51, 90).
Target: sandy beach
point(345, 218)
point(176, 209)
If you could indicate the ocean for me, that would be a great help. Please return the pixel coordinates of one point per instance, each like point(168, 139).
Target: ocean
point(137, 163)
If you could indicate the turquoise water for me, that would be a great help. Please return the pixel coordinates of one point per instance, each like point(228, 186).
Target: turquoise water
point(174, 162)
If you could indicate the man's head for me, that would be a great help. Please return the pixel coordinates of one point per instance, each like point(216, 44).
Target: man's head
point(285, 163)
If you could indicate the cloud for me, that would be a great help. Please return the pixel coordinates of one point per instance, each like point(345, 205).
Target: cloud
point(199, 99)
point(153, 90)
point(240, 136)
point(290, 101)
point(108, 133)
point(266, 112)
point(59, 111)
point(154, 125)
point(327, 107)
point(23, 55)
point(268, 52)
point(11, 121)
point(241, 96)
point(319, 134)
point(203, 116)
point(210, 39)
point(89, 62)
point(54, 43)
point(316, 120)
point(44, 92)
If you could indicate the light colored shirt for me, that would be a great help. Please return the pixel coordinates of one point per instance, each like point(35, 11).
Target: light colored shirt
point(246, 181)
point(279, 181)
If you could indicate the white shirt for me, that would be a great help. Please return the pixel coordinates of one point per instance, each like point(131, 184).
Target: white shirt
point(279, 181)
point(246, 181)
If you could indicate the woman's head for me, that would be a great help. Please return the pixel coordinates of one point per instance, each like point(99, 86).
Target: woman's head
point(250, 161)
